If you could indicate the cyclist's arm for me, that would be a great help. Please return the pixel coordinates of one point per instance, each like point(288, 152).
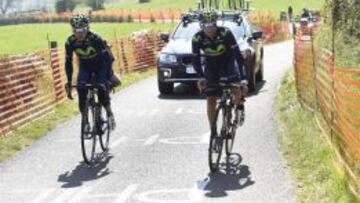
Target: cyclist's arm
point(196, 53)
point(236, 52)
point(68, 60)
point(103, 51)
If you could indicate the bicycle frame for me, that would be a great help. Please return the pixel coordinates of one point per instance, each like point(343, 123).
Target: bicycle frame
point(226, 102)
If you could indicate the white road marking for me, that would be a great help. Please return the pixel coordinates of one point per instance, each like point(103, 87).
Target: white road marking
point(182, 140)
point(80, 195)
point(126, 112)
point(179, 110)
point(138, 140)
point(126, 194)
point(65, 196)
point(42, 195)
point(20, 191)
point(192, 111)
point(118, 142)
point(153, 112)
point(66, 140)
point(205, 138)
point(193, 196)
point(142, 113)
point(151, 140)
point(196, 194)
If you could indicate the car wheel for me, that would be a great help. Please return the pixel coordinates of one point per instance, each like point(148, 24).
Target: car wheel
point(252, 77)
point(252, 82)
point(165, 87)
point(260, 73)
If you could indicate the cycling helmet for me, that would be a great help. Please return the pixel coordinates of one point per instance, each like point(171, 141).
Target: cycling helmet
point(79, 21)
point(208, 16)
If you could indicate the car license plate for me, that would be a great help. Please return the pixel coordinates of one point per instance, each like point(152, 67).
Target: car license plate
point(190, 70)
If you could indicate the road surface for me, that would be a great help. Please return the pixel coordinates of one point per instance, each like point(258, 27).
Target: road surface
point(159, 152)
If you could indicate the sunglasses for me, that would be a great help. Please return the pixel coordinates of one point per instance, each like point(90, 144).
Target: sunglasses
point(80, 30)
point(208, 25)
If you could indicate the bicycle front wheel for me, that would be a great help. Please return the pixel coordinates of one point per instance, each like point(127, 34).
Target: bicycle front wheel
point(88, 135)
point(104, 133)
point(216, 140)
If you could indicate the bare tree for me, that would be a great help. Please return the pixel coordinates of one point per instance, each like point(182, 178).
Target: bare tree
point(5, 5)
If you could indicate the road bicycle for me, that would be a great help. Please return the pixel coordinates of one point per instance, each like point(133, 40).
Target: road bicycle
point(227, 120)
point(95, 123)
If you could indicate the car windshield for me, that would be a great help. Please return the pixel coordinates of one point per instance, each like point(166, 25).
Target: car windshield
point(192, 28)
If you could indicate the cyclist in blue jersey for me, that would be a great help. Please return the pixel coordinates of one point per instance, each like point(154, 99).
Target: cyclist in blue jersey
point(94, 58)
point(220, 50)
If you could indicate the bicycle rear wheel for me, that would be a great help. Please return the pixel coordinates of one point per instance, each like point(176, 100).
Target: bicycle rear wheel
point(88, 135)
point(216, 140)
point(104, 134)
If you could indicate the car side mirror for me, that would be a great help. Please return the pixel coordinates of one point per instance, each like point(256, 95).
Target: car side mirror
point(164, 37)
point(257, 35)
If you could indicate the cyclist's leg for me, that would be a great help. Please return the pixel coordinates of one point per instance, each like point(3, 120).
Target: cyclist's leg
point(84, 77)
point(102, 79)
point(212, 92)
point(237, 94)
point(103, 93)
point(211, 109)
point(233, 73)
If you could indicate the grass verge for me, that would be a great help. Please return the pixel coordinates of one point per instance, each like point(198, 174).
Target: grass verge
point(263, 5)
point(307, 152)
point(14, 40)
point(26, 135)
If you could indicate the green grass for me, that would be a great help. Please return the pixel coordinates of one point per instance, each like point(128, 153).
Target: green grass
point(347, 49)
point(259, 5)
point(182, 4)
point(26, 135)
point(16, 39)
point(307, 152)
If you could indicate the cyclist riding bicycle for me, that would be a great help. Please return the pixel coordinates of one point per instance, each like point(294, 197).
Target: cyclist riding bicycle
point(221, 51)
point(94, 58)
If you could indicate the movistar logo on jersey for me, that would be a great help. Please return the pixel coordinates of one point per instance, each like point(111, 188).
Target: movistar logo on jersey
point(220, 49)
point(225, 32)
point(197, 38)
point(89, 51)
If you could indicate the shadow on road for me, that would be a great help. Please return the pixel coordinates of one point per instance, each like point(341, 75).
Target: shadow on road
point(231, 176)
point(84, 172)
point(187, 92)
point(183, 92)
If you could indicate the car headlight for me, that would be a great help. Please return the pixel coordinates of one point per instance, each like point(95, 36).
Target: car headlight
point(167, 58)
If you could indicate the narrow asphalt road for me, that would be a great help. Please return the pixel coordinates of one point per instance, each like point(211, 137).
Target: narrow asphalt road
point(159, 152)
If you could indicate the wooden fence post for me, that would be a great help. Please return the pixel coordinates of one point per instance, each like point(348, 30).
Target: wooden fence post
point(314, 69)
point(56, 72)
point(123, 55)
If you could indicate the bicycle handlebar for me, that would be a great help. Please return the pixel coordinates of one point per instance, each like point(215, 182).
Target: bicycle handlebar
point(89, 86)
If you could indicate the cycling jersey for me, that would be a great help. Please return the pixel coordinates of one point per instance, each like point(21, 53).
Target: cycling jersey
point(94, 58)
point(92, 53)
point(220, 54)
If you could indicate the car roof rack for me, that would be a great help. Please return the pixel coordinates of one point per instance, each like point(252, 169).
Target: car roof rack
point(193, 16)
